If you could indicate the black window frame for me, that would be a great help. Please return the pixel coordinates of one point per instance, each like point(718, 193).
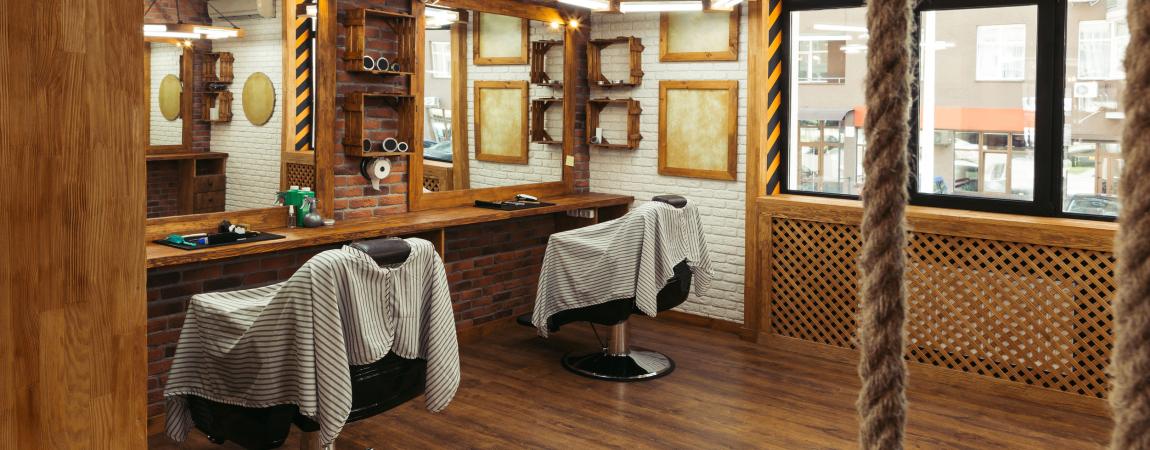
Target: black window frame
point(1050, 83)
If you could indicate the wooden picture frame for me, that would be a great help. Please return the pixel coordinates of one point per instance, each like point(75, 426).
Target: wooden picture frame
point(699, 149)
point(186, 77)
point(497, 23)
point(508, 143)
point(698, 36)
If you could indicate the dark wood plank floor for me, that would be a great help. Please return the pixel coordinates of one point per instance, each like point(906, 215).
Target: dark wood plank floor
point(725, 394)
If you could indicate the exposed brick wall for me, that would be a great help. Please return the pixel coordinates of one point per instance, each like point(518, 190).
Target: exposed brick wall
point(354, 196)
point(635, 172)
point(492, 269)
point(163, 188)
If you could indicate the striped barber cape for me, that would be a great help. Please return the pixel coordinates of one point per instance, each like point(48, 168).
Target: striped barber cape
point(632, 256)
point(292, 342)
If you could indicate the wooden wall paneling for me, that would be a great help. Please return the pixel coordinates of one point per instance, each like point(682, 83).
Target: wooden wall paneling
point(508, 8)
point(571, 96)
point(72, 317)
point(752, 256)
point(461, 171)
point(324, 106)
point(667, 129)
point(731, 53)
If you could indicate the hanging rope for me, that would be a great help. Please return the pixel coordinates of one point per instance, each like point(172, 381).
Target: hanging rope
point(1130, 366)
point(882, 401)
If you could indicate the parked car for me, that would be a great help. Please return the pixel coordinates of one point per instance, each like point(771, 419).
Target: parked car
point(1104, 205)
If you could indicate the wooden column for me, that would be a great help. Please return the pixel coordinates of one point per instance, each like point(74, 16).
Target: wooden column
point(72, 301)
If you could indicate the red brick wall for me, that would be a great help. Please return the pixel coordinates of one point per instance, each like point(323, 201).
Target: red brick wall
point(163, 188)
point(492, 269)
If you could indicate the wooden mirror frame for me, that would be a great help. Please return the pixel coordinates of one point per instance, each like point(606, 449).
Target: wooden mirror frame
point(323, 107)
point(419, 200)
point(185, 99)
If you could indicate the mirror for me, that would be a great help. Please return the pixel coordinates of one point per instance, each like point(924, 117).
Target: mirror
point(165, 72)
point(493, 99)
point(238, 153)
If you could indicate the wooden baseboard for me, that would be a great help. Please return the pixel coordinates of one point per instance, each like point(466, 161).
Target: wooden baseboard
point(1073, 402)
point(711, 323)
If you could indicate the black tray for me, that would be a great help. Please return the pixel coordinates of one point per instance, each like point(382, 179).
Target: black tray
point(222, 239)
point(504, 206)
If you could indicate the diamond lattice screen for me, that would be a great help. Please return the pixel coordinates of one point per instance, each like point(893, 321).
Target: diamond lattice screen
point(300, 174)
point(1031, 314)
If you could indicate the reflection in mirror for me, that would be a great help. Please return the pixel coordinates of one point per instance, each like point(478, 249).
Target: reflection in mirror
point(507, 127)
point(235, 158)
point(165, 123)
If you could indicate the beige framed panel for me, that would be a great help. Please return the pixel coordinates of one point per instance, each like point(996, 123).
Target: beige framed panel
point(501, 121)
point(699, 36)
point(690, 147)
point(419, 200)
point(500, 40)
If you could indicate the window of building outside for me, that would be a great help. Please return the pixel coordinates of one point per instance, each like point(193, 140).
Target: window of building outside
point(1001, 53)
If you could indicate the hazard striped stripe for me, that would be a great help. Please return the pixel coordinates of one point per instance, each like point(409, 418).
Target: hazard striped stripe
point(775, 112)
point(303, 83)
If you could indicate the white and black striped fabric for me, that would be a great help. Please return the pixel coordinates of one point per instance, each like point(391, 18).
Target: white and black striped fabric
point(632, 256)
point(292, 342)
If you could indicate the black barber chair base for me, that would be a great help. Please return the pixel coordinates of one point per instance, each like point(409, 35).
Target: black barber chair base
point(637, 365)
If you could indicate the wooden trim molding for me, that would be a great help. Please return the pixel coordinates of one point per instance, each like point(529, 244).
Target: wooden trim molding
point(187, 79)
point(480, 153)
point(461, 163)
point(732, 111)
point(480, 60)
point(730, 54)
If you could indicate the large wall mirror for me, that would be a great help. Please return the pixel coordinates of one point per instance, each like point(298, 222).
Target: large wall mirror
point(494, 113)
point(243, 127)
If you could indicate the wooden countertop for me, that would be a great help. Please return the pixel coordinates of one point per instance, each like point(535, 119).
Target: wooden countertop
point(189, 155)
point(398, 224)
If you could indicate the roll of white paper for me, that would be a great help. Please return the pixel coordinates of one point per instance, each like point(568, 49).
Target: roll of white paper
point(380, 169)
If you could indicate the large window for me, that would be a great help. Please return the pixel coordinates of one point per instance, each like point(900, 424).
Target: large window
point(996, 129)
point(820, 61)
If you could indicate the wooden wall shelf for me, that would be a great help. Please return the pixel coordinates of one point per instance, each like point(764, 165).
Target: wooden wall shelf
point(539, 133)
point(595, 62)
point(218, 68)
point(539, 75)
point(355, 110)
point(216, 99)
point(404, 27)
point(596, 106)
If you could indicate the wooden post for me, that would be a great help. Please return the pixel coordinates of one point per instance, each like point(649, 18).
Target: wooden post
point(72, 301)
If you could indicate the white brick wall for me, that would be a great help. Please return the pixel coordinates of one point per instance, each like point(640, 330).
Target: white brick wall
point(635, 172)
point(165, 60)
point(544, 161)
point(254, 151)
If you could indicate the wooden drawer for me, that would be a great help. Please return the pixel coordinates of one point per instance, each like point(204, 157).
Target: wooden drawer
point(208, 202)
point(210, 183)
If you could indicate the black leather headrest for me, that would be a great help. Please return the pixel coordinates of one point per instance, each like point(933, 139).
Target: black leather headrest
point(674, 200)
point(385, 251)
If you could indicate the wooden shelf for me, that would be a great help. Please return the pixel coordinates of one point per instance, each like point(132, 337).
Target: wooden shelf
point(184, 156)
point(355, 110)
point(539, 133)
point(596, 106)
point(216, 99)
point(595, 62)
point(404, 26)
point(218, 68)
point(539, 75)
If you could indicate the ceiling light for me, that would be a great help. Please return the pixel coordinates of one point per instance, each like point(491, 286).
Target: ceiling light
point(724, 4)
point(661, 6)
point(573, 23)
point(181, 30)
point(594, 5)
point(846, 28)
point(437, 17)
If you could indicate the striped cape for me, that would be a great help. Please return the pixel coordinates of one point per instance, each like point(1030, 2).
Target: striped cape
point(292, 342)
point(632, 256)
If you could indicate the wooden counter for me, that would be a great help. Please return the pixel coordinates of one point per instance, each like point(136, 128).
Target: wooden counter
point(407, 224)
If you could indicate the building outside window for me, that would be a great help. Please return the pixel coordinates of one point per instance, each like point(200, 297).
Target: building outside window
point(1001, 52)
point(820, 61)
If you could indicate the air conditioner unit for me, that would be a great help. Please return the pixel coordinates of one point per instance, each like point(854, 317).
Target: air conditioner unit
point(241, 9)
point(1085, 89)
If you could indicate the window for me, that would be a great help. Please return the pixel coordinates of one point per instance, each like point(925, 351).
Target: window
point(820, 61)
point(1001, 52)
point(440, 59)
point(1101, 45)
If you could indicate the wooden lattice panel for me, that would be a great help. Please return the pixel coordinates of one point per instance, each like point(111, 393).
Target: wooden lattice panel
point(433, 184)
point(300, 174)
point(1032, 314)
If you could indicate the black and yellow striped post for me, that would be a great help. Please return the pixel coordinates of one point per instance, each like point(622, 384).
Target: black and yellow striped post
point(775, 112)
point(304, 51)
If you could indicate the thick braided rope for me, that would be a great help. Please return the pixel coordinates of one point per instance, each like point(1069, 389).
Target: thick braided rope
point(1130, 366)
point(882, 401)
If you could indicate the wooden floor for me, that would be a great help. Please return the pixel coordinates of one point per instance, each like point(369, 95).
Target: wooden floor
point(725, 394)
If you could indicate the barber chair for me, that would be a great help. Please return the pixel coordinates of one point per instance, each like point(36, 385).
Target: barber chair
point(617, 360)
point(375, 387)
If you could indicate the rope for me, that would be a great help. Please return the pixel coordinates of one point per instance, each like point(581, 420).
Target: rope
point(882, 400)
point(1130, 366)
